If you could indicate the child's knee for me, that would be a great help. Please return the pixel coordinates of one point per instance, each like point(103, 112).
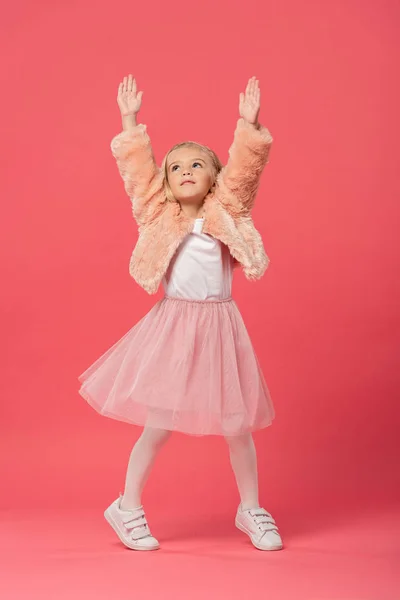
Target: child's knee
point(239, 441)
point(155, 437)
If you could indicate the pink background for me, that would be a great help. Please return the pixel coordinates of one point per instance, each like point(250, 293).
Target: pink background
point(324, 319)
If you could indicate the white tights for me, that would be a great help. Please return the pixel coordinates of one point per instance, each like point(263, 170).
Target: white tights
point(242, 454)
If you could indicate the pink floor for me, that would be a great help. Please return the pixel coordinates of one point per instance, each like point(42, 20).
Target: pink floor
point(65, 555)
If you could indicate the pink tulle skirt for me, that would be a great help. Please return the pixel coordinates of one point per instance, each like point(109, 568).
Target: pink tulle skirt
point(187, 366)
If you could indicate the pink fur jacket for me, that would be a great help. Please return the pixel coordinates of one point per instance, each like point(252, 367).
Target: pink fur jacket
point(227, 208)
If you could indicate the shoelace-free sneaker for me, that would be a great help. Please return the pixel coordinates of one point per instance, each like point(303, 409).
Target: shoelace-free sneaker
point(260, 526)
point(131, 527)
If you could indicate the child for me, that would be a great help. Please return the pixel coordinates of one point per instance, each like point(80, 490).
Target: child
point(188, 365)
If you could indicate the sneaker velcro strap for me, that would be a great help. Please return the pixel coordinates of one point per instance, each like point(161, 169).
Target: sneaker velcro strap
point(135, 523)
point(132, 515)
point(268, 527)
point(138, 528)
point(139, 532)
point(263, 519)
point(259, 511)
point(262, 514)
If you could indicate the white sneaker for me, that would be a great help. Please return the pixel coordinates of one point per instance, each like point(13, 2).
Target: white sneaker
point(131, 527)
point(260, 527)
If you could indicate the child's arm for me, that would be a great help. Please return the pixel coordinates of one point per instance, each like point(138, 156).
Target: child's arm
point(239, 180)
point(134, 155)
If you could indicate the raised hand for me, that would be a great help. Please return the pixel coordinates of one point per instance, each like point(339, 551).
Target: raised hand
point(129, 100)
point(249, 103)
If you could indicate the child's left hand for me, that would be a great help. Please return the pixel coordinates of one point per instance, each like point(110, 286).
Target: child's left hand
point(249, 103)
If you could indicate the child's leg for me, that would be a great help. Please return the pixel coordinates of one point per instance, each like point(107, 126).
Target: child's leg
point(243, 457)
point(140, 463)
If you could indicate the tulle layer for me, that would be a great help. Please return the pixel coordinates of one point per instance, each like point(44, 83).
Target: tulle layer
point(187, 366)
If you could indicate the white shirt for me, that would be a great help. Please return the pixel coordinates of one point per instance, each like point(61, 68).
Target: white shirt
point(201, 268)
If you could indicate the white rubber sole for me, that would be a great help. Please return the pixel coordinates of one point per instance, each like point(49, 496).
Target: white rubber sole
point(277, 547)
point(111, 522)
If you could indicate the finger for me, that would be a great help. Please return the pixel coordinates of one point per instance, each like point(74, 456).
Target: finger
point(252, 89)
point(129, 88)
point(257, 90)
point(250, 92)
point(120, 89)
point(249, 89)
point(125, 81)
point(134, 86)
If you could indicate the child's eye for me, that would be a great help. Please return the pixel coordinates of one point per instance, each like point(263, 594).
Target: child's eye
point(174, 167)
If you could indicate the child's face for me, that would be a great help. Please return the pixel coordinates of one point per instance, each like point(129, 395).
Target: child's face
point(190, 165)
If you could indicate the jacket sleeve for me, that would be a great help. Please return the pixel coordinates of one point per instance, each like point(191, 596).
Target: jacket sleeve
point(238, 181)
point(136, 164)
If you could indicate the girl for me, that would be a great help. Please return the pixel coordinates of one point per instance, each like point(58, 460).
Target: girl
point(188, 365)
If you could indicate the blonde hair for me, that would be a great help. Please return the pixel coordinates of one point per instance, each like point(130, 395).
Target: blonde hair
point(216, 165)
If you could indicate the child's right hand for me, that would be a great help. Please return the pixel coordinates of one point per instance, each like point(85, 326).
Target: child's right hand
point(129, 101)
